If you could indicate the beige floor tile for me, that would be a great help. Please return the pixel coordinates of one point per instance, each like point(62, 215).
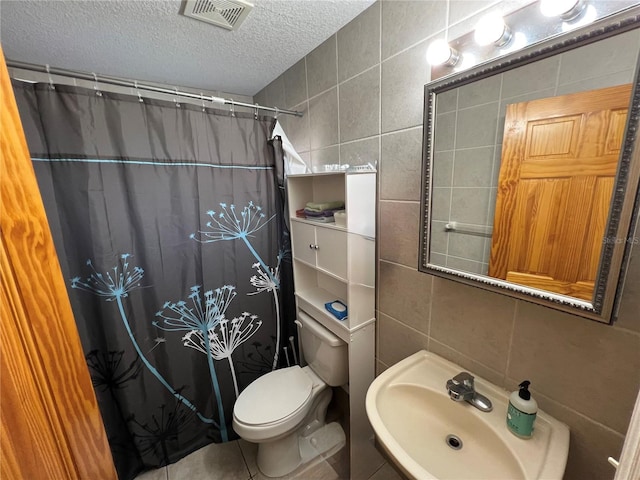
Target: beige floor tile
point(156, 474)
point(221, 461)
point(386, 472)
point(249, 452)
point(313, 471)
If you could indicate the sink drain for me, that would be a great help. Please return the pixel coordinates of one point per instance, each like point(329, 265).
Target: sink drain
point(454, 442)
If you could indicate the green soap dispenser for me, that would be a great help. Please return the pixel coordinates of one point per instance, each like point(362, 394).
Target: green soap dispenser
point(522, 411)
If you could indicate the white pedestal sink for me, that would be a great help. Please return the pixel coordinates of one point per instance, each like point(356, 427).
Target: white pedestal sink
point(419, 426)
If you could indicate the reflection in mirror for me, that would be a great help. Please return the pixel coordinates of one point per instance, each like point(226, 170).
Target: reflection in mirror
point(521, 169)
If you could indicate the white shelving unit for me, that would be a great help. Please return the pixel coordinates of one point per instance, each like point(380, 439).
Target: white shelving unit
point(331, 263)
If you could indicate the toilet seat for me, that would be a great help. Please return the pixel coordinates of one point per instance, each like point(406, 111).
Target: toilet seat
point(274, 397)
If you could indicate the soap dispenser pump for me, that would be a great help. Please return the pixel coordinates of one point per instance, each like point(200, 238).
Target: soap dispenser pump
point(522, 411)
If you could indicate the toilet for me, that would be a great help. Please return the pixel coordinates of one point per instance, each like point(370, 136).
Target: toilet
point(284, 410)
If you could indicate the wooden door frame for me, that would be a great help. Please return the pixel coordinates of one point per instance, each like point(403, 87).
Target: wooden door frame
point(51, 425)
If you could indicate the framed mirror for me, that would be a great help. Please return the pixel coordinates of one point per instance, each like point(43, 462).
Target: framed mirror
point(531, 168)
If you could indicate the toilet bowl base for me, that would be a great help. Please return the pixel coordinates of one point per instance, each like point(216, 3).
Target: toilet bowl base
point(281, 457)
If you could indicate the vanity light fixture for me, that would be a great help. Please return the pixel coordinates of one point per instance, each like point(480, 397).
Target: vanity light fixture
point(440, 53)
point(565, 9)
point(492, 29)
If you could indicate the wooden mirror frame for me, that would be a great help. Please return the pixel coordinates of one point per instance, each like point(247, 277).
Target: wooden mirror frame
point(625, 204)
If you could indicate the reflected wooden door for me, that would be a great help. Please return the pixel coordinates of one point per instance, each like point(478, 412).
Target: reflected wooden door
point(559, 160)
point(51, 427)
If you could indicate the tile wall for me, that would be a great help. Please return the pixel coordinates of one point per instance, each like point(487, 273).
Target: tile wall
point(362, 95)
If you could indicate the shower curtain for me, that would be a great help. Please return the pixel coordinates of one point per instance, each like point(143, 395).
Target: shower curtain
point(168, 222)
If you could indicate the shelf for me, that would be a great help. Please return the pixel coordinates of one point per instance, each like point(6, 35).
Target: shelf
point(312, 301)
point(321, 270)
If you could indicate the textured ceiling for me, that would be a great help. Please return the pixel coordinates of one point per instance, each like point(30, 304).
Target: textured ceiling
point(149, 40)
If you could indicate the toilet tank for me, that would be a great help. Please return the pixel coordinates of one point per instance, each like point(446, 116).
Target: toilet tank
point(326, 354)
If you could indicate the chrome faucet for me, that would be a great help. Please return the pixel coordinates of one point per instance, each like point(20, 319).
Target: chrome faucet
point(461, 387)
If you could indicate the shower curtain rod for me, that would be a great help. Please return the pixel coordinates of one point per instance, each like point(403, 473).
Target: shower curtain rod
point(140, 86)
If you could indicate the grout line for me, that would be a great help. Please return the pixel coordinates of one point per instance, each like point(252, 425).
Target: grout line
point(410, 202)
point(510, 349)
point(337, 97)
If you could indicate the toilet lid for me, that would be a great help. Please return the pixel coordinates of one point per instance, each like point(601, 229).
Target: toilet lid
point(273, 397)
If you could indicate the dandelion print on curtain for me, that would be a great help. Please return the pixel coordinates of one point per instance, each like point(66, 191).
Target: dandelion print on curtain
point(168, 225)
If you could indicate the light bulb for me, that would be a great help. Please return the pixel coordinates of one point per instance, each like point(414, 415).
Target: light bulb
point(440, 53)
point(492, 29)
point(565, 9)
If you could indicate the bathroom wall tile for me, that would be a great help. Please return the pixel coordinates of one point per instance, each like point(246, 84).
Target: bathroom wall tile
point(380, 366)
point(359, 43)
point(470, 247)
point(221, 461)
point(442, 169)
point(470, 205)
point(479, 92)
point(570, 360)
point(610, 80)
point(590, 443)
point(470, 266)
point(613, 55)
point(630, 302)
point(295, 84)
point(396, 341)
point(404, 293)
point(475, 127)
point(469, 364)
point(398, 232)
point(324, 156)
point(297, 128)
point(472, 321)
point(322, 70)
point(361, 152)
point(473, 167)
point(403, 79)
point(447, 101)
point(445, 125)
point(439, 238)
point(261, 97)
point(407, 22)
point(441, 204)
point(323, 119)
point(438, 259)
point(359, 100)
point(529, 78)
point(461, 9)
point(275, 96)
point(401, 165)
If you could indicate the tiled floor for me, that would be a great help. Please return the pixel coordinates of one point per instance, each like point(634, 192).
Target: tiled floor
point(237, 461)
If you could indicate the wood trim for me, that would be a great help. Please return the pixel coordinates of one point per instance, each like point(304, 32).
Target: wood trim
point(51, 426)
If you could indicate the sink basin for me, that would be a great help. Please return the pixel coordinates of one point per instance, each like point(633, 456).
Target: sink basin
point(429, 436)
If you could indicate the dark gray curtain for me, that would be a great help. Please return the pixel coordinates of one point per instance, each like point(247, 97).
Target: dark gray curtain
point(168, 225)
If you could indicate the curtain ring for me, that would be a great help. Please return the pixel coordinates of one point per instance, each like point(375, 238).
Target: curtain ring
point(255, 111)
point(135, 84)
point(232, 109)
point(95, 84)
point(277, 113)
point(204, 108)
point(175, 100)
point(51, 86)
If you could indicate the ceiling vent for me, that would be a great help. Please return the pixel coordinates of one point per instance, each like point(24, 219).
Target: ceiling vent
point(227, 14)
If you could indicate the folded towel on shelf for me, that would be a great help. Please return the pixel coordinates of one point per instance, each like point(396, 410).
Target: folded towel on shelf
point(300, 213)
point(323, 213)
point(321, 206)
point(321, 219)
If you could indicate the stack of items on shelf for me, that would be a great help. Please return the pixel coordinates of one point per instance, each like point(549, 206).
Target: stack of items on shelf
point(320, 212)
